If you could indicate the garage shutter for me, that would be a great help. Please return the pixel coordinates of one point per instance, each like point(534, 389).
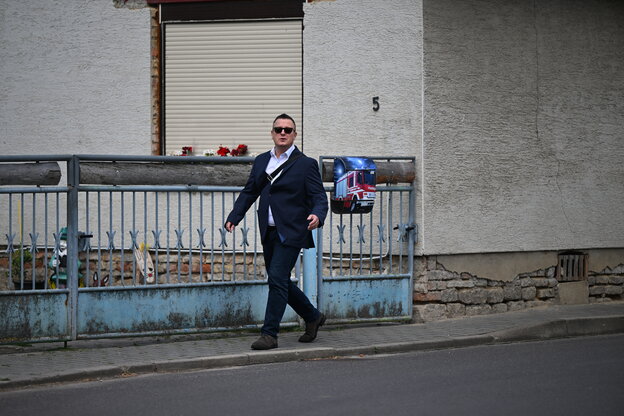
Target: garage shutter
point(226, 81)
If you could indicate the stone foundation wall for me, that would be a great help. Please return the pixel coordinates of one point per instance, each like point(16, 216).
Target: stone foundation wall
point(442, 294)
point(606, 285)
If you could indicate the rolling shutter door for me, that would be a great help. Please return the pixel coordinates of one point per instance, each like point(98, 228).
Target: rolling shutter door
point(226, 81)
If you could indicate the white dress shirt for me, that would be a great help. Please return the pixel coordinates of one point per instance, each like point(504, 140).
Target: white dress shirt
point(273, 164)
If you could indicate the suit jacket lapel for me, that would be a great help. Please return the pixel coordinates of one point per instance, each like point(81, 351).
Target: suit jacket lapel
point(263, 161)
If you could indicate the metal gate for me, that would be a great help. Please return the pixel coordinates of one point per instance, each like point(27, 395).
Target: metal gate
point(365, 262)
point(77, 256)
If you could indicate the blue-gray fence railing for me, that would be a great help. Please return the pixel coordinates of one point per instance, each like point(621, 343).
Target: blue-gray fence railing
point(72, 237)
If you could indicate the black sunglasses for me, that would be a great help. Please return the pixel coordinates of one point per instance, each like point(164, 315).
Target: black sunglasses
point(278, 130)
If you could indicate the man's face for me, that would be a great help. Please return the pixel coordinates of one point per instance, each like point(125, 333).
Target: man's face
point(282, 139)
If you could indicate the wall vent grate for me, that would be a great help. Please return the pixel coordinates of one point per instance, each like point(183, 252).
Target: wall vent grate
point(571, 266)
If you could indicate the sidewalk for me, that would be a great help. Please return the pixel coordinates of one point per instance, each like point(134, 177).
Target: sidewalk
point(46, 363)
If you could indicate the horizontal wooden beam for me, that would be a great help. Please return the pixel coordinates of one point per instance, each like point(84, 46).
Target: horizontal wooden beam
point(44, 173)
point(150, 173)
point(133, 173)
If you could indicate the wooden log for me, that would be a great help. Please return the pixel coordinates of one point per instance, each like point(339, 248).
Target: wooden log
point(386, 172)
point(44, 173)
point(134, 173)
point(210, 174)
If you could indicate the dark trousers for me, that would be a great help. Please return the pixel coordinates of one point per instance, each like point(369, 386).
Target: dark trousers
point(280, 260)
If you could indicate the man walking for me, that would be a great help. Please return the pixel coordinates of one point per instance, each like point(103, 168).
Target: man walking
point(292, 204)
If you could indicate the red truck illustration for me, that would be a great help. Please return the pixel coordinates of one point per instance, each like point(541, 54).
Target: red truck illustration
point(355, 190)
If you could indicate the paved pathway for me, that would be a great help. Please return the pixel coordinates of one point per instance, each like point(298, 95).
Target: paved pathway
point(50, 362)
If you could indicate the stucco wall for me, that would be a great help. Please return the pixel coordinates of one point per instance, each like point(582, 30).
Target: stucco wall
point(521, 120)
point(523, 125)
point(355, 50)
point(75, 78)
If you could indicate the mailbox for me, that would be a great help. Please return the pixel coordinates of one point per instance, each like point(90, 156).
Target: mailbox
point(354, 185)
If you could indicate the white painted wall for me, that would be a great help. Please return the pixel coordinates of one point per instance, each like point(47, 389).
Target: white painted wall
point(523, 126)
point(520, 146)
point(355, 50)
point(75, 78)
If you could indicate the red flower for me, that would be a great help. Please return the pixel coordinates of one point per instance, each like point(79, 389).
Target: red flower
point(241, 149)
point(187, 150)
point(223, 151)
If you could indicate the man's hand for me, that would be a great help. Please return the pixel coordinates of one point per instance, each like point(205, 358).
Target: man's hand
point(229, 227)
point(314, 222)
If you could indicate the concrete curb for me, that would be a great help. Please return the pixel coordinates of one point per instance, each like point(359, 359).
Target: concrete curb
point(561, 328)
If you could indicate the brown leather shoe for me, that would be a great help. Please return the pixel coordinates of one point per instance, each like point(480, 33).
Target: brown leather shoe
point(265, 342)
point(312, 329)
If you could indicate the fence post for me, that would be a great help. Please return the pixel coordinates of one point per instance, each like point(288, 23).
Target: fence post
point(73, 180)
point(310, 287)
point(413, 239)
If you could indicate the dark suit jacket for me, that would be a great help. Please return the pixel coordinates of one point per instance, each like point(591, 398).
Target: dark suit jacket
point(295, 194)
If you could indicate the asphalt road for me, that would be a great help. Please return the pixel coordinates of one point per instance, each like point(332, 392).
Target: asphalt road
point(580, 376)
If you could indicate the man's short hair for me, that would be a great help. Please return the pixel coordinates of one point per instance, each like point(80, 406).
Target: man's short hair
point(287, 117)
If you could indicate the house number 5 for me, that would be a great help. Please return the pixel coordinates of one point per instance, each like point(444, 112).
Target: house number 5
point(375, 103)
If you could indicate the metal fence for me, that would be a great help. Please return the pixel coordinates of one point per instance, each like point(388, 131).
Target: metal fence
point(178, 228)
point(93, 260)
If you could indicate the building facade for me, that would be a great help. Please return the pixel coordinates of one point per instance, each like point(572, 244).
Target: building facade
point(514, 111)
